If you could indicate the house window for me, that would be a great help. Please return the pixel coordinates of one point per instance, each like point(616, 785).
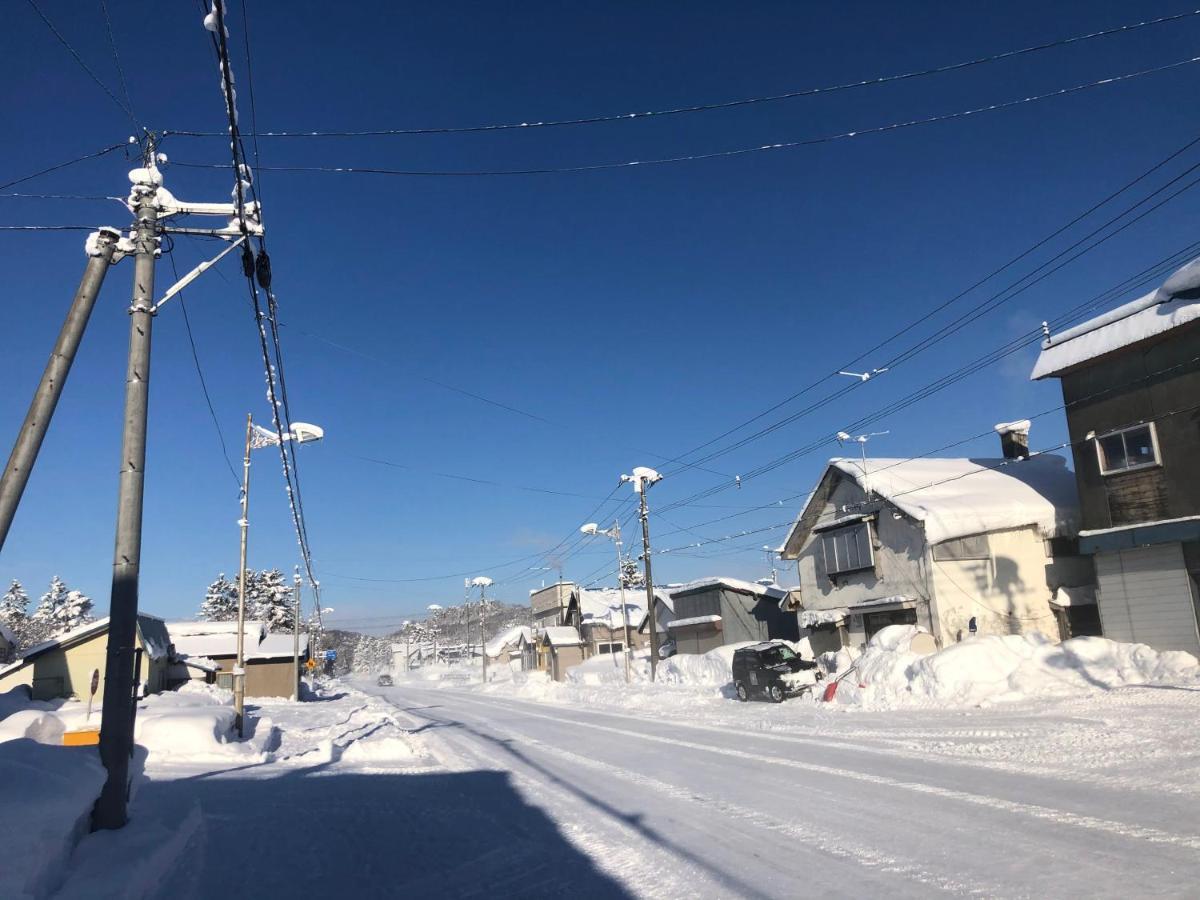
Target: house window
point(973, 546)
point(609, 648)
point(1130, 448)
point(848, 549)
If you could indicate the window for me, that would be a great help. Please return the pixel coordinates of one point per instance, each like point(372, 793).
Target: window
point(1131, 448)
point(609, 648)
point(974, 546)
point(848, 549)
point(873, 622)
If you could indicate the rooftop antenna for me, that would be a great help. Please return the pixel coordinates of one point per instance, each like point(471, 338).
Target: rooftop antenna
point(843, 437)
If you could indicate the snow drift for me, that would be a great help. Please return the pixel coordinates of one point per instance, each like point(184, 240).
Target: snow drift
point(1006, 668)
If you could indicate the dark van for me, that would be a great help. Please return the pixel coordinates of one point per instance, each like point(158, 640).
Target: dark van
point(772, 670)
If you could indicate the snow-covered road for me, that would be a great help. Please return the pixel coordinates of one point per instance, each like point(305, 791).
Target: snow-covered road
point(672, 808)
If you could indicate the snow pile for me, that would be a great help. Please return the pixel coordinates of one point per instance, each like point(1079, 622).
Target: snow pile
point(711, 669)
point(48, 797)
point(194, 724)
point(34, 724)
point(1004, 668)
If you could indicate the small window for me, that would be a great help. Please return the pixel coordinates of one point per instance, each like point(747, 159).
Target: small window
point(848, 549)
point(1131, 448)
point(974, 546)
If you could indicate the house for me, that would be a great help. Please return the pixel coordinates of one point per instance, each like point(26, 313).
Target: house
point(550, 604)
point(208, 651)
point(558, 648)
point(1130, 379)
point(8, 644)
point(664, 612)
point(711, 612)
point(598, 616)
point(506, 647)
point(956, 546)
point(64, 666)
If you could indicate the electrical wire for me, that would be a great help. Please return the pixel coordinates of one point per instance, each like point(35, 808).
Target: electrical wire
point(718, 154)
point(62, 165)
point(79, 59)
point(112, 46)
point(708, 107)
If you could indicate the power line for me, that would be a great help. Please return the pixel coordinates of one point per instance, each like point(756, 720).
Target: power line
point(187, 326)
point(19, 196)
point(719, 154)
point(79, 59)
point(708, 107)
point(63, 165)
point(112, 46)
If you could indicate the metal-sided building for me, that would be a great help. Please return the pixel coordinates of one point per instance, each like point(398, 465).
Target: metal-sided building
point(712, 612)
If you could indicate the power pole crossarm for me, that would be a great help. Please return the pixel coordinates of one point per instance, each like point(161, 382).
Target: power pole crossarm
point(100, 248)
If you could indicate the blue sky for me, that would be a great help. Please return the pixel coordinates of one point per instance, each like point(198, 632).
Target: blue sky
point(636, 313)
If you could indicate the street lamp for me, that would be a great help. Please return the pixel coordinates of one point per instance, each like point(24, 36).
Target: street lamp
point(641, 479)
point(614, 534)
point(257, 437)
point(483, 583)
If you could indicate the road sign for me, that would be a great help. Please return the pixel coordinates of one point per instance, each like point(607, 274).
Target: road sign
point(312, 664)
point(331, 655)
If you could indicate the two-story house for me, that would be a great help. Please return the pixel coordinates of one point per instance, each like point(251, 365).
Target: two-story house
point(1131, 382)
point(955, 546)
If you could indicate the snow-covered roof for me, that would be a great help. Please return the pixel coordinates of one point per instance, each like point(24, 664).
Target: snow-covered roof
point(604, 605)
point(218, 639)
point(561, 636)
point(954, 498)
point(276, 646)
point(506, 639)
point(151, 629)
point(774, 591)
point(811, 618)
point(155, 639)
point(694, 620)
point(1159, 311)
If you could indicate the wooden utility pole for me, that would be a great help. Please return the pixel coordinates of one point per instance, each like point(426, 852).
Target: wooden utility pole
point(100, 248)
point(296, 635)
point(116, 728)
point(239, 667)
point(653, 623)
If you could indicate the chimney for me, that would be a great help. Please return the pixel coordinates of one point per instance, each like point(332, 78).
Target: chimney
point(1014, 439)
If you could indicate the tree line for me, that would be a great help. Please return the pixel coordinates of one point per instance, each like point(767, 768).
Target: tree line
point(58, 611)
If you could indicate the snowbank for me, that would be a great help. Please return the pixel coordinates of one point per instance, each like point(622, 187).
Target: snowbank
point(1007, 668)
point(194, 724)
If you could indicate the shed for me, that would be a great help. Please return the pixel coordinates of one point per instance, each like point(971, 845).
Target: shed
point(209, 650)
point(559, 647)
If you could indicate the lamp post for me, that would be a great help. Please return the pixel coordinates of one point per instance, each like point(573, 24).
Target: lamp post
point(257, 437)
point(614, 534)
point(641, 479)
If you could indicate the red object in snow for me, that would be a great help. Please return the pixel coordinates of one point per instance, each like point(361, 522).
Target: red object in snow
point(830, 692)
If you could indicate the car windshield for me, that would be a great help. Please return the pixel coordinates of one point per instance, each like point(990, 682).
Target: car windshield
point(776, 655)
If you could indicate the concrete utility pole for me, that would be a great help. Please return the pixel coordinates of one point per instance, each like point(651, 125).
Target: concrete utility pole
point(483, 583)
point(100, 249)
point(116, 728)
point(239, 667)
point(616, 533)
point(296, 634)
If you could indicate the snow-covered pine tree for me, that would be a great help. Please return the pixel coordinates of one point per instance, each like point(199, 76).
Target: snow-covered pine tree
point(220, 601)
point(273, 600)
point(631, 574)
point(60, 610)
point(14, 611)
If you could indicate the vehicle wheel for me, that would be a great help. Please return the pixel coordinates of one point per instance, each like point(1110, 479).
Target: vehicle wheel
point(775, 692)
point(742, 693)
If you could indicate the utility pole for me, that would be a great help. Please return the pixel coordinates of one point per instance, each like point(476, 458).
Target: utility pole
point(116, 728)
point(641, 479)
point(483, 627)
point(296, 634)
point(771, 563)
point(616, 532)
point(100, 249)
point(239, 666)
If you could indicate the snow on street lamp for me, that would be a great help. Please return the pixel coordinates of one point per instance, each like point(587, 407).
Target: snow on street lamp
point(614, 534)
point(641, 479)
point(257, 437)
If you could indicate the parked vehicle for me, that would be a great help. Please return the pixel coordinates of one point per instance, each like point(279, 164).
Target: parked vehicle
point(384, 680)
point(773, 670)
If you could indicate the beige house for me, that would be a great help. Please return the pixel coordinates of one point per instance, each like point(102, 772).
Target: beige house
point(955, 546)
point(63, 667)
point(559, 647)
point(207, 651)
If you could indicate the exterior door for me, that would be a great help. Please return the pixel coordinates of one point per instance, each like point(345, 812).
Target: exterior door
point(1146, 598)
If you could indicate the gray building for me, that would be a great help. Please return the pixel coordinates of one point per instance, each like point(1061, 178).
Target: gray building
point(712, 612)
point(1130, 379)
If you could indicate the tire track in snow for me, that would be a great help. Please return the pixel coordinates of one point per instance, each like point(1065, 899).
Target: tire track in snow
point(1030, 810)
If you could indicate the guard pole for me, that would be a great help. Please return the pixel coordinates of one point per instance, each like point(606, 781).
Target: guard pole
point(116, 722)
point(49, 389)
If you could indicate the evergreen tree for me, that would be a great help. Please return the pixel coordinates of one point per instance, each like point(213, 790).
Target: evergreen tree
point(220, 601)
point(60, 610)
point(14, 615)
point(272, 600)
